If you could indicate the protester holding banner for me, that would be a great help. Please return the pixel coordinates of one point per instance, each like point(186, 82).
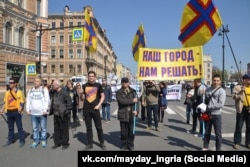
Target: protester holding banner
point(126, 98)
point(215, 98)
point(152, 93)
point(162, 101)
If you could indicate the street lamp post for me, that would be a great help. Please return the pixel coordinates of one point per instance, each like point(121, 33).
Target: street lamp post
point(222, 33)
point(40, 50)
point(105, 64)
point(240, 67)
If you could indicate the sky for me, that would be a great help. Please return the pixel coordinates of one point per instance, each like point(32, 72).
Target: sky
point(161, 20)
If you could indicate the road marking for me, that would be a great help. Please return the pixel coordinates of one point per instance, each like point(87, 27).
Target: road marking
point(170, 111)
point(230, 108)
point(226, 112)
point(115, 112)
point(230, 135)
point(181, 113)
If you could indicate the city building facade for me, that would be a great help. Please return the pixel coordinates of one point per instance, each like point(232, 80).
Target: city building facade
point(19, 43)
point(68, 58)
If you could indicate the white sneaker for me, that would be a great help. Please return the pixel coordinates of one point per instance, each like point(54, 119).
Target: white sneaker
point(204, 149)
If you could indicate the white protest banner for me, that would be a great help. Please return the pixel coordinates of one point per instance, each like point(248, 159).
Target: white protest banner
point(174, 92)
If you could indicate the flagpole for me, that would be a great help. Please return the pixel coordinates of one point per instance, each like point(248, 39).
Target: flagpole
point(134, 117)
point(203, 101)
point(4, 118)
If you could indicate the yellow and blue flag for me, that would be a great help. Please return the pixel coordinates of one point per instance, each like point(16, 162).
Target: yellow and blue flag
point(90, 32)
point(200, 20)
point(138, 42)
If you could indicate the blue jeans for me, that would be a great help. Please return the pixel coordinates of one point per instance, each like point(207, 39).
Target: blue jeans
point(188, 111)
point(39, 122)
point(153, 108)
point(12, 117)
point(107, 107)
point(216, 122)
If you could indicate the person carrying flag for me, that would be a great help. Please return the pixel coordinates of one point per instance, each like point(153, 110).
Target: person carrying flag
point(127, 98)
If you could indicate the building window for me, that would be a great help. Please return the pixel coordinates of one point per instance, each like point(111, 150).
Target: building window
point(53, 53)
point(38, 7)
point(61, 69)
point(61, 25)
point(70, 24)
point(79, 53)
point(71, 56)
point(208, 64)
point(44, 69)
point(79, 24)
point(61, 39)
point(70, 39)
point(208, 70)
point(53, 68)
point(8, 33)
point(53, 39)
point(18, 3)
point(61, 53)
point(71, 69)
point(208, 76)
point(38, 43)
point(79, 69)
point(21, 37)
point(53, 25)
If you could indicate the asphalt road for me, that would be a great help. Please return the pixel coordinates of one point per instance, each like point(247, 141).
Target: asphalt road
point(172, 137)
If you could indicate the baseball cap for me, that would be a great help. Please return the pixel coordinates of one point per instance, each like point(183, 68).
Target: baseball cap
point(125, 79)
point(246, 76)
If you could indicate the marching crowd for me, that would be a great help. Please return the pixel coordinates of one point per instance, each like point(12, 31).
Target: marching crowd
point(83, 103)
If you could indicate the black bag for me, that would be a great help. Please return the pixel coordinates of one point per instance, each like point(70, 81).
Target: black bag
point(185, 102)
point(207, 114)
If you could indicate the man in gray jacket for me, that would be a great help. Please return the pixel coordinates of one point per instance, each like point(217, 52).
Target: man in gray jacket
point(215, 97)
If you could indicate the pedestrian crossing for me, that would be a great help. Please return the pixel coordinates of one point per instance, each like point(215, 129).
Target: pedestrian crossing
point(176, 109)
point(181, 110)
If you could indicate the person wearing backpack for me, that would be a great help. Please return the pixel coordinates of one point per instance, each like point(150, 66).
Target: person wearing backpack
point(13, 106)
point(37, 105)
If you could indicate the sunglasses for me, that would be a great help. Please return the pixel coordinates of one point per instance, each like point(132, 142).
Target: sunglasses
point(11, 82)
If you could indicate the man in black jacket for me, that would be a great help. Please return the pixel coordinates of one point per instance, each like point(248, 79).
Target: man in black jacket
point(127, 99)
point(61, 106)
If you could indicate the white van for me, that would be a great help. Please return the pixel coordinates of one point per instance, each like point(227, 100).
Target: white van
point(81, 79)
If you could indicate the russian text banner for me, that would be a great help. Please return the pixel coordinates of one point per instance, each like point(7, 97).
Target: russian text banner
point(170, 64)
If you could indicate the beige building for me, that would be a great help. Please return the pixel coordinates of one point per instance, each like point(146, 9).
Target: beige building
point(30, 36)
point(69, 58)
point(208, 68)
point(18, 40)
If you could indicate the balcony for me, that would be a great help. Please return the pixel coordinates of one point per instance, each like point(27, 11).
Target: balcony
point(90, 61)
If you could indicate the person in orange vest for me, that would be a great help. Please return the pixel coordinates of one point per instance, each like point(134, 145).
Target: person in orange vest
point(13, 107)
